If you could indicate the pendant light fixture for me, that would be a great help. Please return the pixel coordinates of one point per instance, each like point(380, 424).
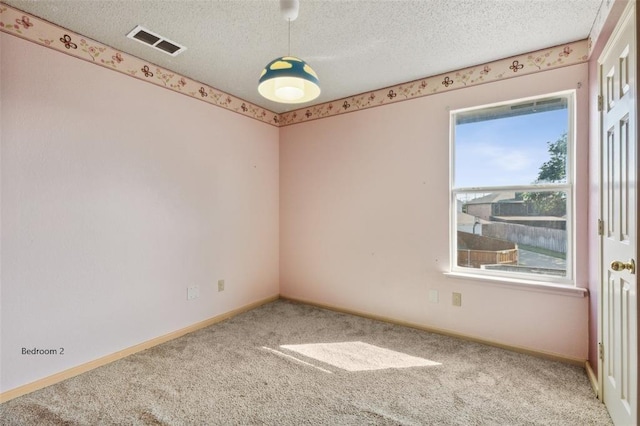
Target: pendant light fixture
point(288, 79)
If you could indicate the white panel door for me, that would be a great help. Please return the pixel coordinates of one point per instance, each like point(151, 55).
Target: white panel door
point(619, 169)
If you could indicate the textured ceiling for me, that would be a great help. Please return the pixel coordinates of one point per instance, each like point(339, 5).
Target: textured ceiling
point(354, 45)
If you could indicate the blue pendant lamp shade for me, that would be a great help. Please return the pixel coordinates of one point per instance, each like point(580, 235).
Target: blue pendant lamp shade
point(289, 80)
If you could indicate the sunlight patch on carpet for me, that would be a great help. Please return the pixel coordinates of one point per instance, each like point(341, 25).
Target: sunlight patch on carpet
point(358, 356)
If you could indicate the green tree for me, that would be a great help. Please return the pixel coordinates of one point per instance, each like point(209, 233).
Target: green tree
point(550, 203)
point(555, 170)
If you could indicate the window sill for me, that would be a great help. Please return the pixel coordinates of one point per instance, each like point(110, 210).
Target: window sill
point(525, 285)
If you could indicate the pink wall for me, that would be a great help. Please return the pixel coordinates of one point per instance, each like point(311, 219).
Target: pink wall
point(117, 196)
point(364, 214)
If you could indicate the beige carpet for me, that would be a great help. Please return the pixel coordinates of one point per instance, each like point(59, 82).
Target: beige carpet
point(293, 364)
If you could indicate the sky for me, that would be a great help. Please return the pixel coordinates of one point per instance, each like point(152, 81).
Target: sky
point(506, 151)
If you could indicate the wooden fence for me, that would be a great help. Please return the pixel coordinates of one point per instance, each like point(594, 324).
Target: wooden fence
point(546, 238)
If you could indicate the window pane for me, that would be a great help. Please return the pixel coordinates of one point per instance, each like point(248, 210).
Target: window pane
point(513, 231)
point(519, 144)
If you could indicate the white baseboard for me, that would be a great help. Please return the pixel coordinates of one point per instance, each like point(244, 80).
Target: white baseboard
point(83, 368)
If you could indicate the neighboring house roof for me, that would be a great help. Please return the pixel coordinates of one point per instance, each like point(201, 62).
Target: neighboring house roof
point(494, 197)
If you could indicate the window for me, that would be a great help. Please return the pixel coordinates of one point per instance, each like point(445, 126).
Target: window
point(512, 189)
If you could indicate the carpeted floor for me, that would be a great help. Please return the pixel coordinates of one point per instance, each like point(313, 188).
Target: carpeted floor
point(336, 369)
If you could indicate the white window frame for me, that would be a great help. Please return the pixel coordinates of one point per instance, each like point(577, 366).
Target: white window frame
point(569, 187)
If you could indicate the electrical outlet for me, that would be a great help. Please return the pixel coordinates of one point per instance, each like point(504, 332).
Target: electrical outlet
point(433, 296)
point(456, 299)
point(220, 285)
point(193, 292)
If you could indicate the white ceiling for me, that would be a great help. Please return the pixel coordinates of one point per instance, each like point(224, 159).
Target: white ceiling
point(354, 46)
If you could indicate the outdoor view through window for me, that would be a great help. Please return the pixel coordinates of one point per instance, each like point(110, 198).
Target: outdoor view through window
point(512, 189)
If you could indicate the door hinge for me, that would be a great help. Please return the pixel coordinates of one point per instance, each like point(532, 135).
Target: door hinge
point(600, 103)
point(600, 350)
point(600, 227)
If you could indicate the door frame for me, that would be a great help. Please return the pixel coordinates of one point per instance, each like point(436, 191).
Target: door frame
point(601, 267)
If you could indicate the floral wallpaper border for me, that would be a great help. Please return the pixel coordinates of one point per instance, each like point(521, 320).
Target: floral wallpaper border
point(21, 24)
point(28, 27)
point(516, 66)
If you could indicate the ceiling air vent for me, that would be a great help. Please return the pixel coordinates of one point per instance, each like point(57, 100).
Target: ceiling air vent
point(156, 41)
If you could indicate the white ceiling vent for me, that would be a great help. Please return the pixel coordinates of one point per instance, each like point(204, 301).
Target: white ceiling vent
point(159, 42)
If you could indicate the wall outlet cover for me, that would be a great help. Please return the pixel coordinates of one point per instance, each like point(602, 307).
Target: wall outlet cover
point(193, 292)
point(456, 299)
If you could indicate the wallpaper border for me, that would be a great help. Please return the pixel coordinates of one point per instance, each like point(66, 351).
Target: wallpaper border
point(45, 33)
point(42, 32)
point(528, 63)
